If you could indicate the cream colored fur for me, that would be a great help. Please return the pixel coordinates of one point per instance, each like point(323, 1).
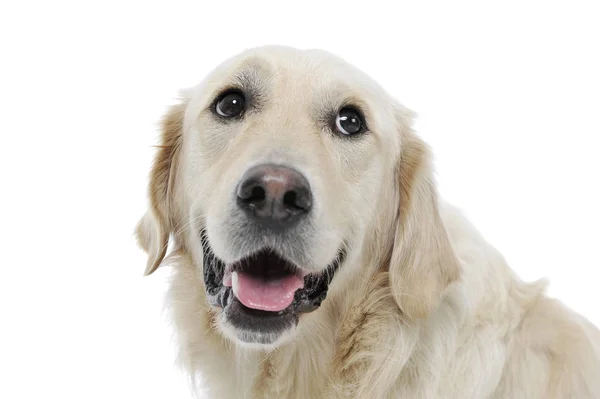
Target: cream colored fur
point(423, 306)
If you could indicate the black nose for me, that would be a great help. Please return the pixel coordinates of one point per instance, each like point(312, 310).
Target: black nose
point(276, 196)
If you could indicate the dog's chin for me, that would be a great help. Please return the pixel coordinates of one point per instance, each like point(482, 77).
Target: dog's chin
point(266, 332)
point(260, 298)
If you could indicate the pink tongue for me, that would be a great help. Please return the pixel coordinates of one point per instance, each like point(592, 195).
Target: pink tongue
point(272, 296)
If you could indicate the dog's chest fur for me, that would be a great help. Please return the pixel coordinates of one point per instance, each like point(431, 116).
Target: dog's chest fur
point(374, 352)
point(320, 362)
point(355, 359)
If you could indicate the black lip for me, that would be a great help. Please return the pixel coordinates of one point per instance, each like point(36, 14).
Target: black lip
point(259, 323)
point(264, 323)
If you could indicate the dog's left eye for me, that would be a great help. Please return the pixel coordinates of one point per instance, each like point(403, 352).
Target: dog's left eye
point(230, 104)
point(349, 122)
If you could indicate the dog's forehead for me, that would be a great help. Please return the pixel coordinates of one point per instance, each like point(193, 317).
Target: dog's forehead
point(295, 70)
point(292, 61)
point(291, 82)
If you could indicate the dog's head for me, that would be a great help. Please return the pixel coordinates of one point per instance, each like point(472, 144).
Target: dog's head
point(283, 171)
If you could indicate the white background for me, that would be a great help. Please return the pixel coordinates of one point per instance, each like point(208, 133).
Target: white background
point(508, 96)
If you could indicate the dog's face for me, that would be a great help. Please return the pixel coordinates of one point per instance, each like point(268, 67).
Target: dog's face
point(274, 172)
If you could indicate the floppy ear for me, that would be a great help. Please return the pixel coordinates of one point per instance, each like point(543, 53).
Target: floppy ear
point(423, 262)
point(155, 227)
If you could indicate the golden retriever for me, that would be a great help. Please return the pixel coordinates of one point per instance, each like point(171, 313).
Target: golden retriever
point(312, 257)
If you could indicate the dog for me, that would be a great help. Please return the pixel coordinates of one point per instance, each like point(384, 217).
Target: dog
point(312, 256)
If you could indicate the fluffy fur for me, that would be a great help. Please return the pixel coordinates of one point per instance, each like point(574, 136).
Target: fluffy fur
point(423, 306)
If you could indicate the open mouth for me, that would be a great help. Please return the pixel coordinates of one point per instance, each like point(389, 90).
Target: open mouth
point(264, 281)
point(264, 292)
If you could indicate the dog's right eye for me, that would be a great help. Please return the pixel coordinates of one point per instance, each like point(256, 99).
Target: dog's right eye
point(230, 104)
point(349, 122)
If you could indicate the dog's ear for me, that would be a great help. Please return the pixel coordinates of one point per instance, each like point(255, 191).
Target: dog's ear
point(423, 262)
point(155, 227)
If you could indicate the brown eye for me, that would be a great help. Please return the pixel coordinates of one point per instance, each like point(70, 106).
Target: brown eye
point(230, 104)
point(348, 122)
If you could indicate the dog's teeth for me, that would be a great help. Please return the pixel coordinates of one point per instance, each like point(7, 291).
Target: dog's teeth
point(234, 283)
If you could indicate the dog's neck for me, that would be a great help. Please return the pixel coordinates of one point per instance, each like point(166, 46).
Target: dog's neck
point(322, 346)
